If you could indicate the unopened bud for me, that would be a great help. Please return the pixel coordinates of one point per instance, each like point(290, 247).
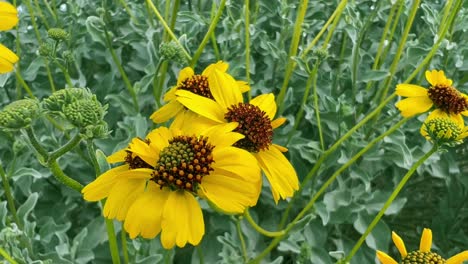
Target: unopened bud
point(19, 114)
point(58, 34)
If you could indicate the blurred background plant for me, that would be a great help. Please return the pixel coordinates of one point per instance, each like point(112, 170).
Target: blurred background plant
point(122, 53)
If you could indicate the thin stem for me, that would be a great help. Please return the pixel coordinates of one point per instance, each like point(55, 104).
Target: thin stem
point(66, 148)
point(389, 202)
point(247, 43)
point(7, 257)
point(156, 90)
point(260, 229)
point(62, 177)
point(316, 104)
point(35, 143)
point(64, 71)
point(123, 240)
point(292, 51)
point(392, 32)
point(9, 196)
point(168, 30)
point(201, 259)
point(41, 15)
point(23, 83)
point(129, 11)
point(241, 238)
point(54, 16)
point(112, 241)
point(205, 39)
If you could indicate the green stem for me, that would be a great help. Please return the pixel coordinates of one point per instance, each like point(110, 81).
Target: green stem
point(201, 259)
point(41, 15)
point(168, 30)
point(292, 52)
point(116, 60)
point(156, 90)
point(241, 238)
point(9, 196)
point(65, 72)
point(112, 241)
point(316, 105)
point(54, 16)
point(35, 143)
point(129, 11)
point(260, 229)
point(7, 257)
point(23, 83)
point(123, 238)
point(392, 32)
point(66, 148)
point(389, 202)
point(62, 177)
point(247, 43)
point(205, 39)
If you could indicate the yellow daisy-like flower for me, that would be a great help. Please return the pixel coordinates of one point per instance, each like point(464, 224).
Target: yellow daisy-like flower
point(440, 94)
point(440, 127)
point(423, 255)
point(155, 190)
point(8, 19)
point(256, 123)
point(196, 83)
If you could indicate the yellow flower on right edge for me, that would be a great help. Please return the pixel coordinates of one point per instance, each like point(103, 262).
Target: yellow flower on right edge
point(423, 255)
point(441, 129)
point(440, 94)
point(8, 19)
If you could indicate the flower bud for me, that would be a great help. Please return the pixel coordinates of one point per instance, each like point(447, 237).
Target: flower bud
point(173, 52)
point(68, 56)
point(19, 114)
point(321, 53)
point(84, 112)
point(442, 130)
point(58, 34)
point(61, 98)
point(46, 49)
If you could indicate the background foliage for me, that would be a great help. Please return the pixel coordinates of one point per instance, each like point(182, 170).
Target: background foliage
point(58, 226)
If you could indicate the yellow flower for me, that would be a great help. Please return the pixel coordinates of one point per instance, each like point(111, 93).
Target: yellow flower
point(8, 19)
point(440, 94)
point(255, 123)
point(155, 190)
point(189, 81)
point(423, 255)
point(440, 128)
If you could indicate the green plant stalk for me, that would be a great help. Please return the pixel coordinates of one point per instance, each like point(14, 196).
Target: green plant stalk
point(52, 13)
point(66, 148)
point(112, 241)
point(319, 193)
point(9, 196)
point(392, 33)
point(215, 47)
point(65, 73)
point(36, 145)
point(175, 11)
point(292, 52)
point(247, 44)
point(316, 106)
point(166, 27)
point(340, 61)
point(19, 93)
point(123, 238)
point(332, 30)
point(41, 15)
point(116, 60)
point(201, 259)
point(156, 88)
point(149, 15)
point(7, 257)
point(389, 201)
point(445, 16)
point(211, 29)
point(23, 83)
point(401, 46)
point(129, 11)
point(241, 239)
point(62, 177)
point(328, 152)
point(259, 229)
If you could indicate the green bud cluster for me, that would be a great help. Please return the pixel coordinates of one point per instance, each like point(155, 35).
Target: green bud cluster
point(321, 53)
point(172, 52)
point(46, 49)
point(443, 130)
point(57, 34)
point(19, 114)
point(80, 108)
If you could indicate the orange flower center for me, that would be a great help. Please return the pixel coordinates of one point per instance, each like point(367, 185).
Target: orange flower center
point(183, 164)
point(447, 98)
point(197, 84)
point(418, 257)
point(254, 124)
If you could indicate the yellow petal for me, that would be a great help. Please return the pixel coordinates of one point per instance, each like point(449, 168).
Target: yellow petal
point(280, 148)
point(145, 214)
point(7, 59)
point(414, 105)
point(236, 161)
point(166, 112)
point(99, 188)
point(458, 258)
point(182, 220)
point(159, 138)
point(201, 105)
point(279, 172)
point(435, 78)
point(8, 16)
point(220, 66)
point(426, 240)
point(243, 86)
point(278, 122)
point(384, 258)
point(121, 197)
point(266, 102)
point(192, 123)
point(170, 95)
point(224, 89)
point(118, 156)
point(410, 90)
point(148, 153)
point(399, 244)
point(222, 135)
point(137, 174)
point(185, 74)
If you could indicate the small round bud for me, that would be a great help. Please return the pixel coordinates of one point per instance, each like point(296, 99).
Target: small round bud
point(84, 112)
point(321, 53)
point(46, 49)
point(443, 131)
point(68, 56)
point(58, 34)
point(61, 98)
point(19, 114)
point(173, 52)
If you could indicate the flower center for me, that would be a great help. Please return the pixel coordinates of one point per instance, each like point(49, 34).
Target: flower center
point(197, 84)
point(418, 257)
point(447, 98)
point(443, 129)
point(254, 124)
point(182, 164)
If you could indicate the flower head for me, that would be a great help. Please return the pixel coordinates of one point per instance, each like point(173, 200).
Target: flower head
point(423, 255)
point(255, 121)
point(8, 18)
point(19, 114)
point(199, 84)
point(441, 94)
point(155, 190)
point(441, 129)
